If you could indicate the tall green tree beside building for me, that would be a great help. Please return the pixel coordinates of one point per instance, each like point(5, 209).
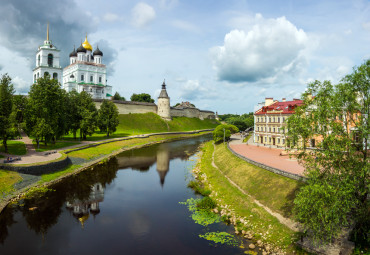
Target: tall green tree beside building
point(108, 117)
point(88, 113)
point(336, 194)
point(6, 104)
point(143, 97)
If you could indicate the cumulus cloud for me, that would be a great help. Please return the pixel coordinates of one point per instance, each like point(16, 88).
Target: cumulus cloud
point(193, 90)
point(270, 48)
point(111, 17)
point(23, 27)
point(109, 55)
point(21, 86)
point(142, 15)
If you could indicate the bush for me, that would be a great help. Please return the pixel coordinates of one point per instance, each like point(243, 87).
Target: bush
point(198, 188)
point(206, 203)
point(222, 131)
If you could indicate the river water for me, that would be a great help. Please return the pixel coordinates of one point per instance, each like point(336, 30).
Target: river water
point(128, 205)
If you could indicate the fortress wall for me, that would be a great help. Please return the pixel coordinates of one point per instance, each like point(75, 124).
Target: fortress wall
point(207, 115)
point(185, 112)
point(126, 107)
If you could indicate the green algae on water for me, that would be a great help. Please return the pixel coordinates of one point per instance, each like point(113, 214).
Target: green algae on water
point(220, 237)
point(203, 217)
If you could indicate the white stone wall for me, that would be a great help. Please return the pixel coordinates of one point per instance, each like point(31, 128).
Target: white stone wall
point(164, 108)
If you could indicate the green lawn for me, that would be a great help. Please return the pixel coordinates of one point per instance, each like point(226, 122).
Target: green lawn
point(57, 145)
point(262, 225)
point(7, 181)
point(55, 175)
point(14, 147)
point(145, 123)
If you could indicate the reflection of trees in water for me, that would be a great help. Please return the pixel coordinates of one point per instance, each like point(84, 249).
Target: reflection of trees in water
point(6, 220)
point(41, 213)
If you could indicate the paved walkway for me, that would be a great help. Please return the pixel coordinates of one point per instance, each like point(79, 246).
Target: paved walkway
point(270, 157)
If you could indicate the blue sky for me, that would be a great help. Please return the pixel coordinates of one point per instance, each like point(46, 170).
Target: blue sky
point(224, 56)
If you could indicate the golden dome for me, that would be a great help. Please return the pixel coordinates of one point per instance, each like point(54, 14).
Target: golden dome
point(87, 45)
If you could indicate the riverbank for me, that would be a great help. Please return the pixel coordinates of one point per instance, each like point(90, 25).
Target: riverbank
point(84, 158)
point(239, 207)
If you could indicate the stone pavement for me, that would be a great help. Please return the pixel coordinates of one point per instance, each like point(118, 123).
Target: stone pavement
point(265, 155)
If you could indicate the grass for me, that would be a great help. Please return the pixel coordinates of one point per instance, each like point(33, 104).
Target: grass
point(264, 226)
point(7, 181)
point(50, 146)
point(108, 148)
point(55, 175)
point(275, 191)
point(14, 147)
point(145, 123)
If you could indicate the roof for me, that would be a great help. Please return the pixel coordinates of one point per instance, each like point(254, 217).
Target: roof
point(280, 107)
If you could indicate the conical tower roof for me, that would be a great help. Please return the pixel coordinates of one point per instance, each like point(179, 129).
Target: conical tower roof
point(163, 93)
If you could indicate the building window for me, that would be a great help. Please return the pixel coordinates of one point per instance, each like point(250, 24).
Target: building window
point(274, 130)
point(46, 74)
point(100, 79)
point(278, 140)
point(278, 119)
point(265, 139)
point(91, 78)
point(90, 90)
point(55, 76)
point(270, 140)
point(283, 141)
point(82, 77)
point(34, 79)
point(38, 60)
point(50, 60)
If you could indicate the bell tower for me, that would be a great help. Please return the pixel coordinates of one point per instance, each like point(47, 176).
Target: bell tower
point(47, 61)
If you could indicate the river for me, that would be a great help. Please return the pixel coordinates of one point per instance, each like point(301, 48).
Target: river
point(128, 205)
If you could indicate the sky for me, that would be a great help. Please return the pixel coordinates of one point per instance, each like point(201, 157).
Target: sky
point(224, 56)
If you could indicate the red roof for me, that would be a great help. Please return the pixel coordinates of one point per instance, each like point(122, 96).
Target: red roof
point(286, 107)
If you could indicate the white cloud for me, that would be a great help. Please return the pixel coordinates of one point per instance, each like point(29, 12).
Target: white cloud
point(142, 15)
point(168, 4)
point(192, 90)
point(186, 26)
point(270, 48)
point(110, 17)
point(20, 85)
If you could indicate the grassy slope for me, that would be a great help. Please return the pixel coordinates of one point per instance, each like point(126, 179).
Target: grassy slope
point(14, 147)
point(145, 123)
point(7, 180)
point(264, 226)
point(275, 191)
point(50, 146)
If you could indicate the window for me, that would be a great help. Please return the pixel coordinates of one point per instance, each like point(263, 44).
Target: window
point(82, 77)
point(269, 119)
point(265, 139)
point(274, 130)
point(50, 60)
point(278, 140)
point(278, 119)
point(91, 78)
point(34, 78)
point(100, 79)
point(283, 141)
point(270, 139)
point(38, 75)
point(46, 74)
point(90, 90)
point(38, 60)
point(55, 76)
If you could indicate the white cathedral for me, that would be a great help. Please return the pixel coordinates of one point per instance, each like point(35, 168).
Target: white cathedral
point(85, 71)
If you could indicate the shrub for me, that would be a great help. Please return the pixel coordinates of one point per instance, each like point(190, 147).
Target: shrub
point(206, 203)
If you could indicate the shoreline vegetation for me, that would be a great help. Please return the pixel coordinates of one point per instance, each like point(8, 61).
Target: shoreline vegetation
point(239, 208)
point(82, 159)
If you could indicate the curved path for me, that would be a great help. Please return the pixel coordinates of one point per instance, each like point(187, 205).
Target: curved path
point(265, 155)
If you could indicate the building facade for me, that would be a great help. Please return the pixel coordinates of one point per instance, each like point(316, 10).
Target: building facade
point(85, 72)
point(270, 120)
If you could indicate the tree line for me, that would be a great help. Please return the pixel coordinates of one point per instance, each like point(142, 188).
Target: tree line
point(242, 122)
point(49, 112)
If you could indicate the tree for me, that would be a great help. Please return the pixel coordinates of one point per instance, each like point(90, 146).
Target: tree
point(47, 101)
point(336, 192)
point(6, 104)
point(117, 96)
point(73, 112)
point(143, 97)
point(222, 132)
point(88, 113)
point(108, 117)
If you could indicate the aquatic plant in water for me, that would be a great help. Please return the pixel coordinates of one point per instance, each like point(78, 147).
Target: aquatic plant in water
point(203, 217)
point(220, 237)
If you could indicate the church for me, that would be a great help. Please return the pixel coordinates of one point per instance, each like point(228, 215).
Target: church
point(85, 72)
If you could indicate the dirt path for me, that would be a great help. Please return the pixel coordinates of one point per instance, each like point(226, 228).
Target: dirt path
point(286, 221)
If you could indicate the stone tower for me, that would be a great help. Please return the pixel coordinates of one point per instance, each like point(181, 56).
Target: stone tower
point(164, 104)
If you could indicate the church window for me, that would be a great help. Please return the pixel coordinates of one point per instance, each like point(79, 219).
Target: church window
point(34, 79)
point(90, 90)
point(91, 78)
point(55, 76)
point(82, 77)
point(46, 74)
point(38, 75)
point(50, 60)
point(38, 60)
point(100, 79)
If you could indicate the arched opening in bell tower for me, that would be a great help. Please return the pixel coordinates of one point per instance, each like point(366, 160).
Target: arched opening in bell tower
point(50, 60)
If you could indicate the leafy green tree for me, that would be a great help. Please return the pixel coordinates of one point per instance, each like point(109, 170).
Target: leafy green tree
point(6, 104)
point(108, 117)
point(47, 102)
point(73, 112)
point(117, 96)
point(336, 194)
point(143, 97)
point(223, 131)
point(19, 107)
point(88, 113)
